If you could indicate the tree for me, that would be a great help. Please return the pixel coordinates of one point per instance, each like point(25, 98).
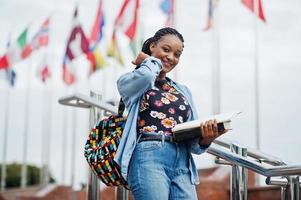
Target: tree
point(13, 175)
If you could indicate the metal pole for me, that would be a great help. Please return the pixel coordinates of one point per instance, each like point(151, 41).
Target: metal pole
point(256, 76)
point(5, 136)
point(216, 76)
point(121, 193)
point(93, 187)
point(239, 176)
point(295, 187)
point(283, 192)
point(26, 123)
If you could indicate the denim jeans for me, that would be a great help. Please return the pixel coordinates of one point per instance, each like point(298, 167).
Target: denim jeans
point(159, 171)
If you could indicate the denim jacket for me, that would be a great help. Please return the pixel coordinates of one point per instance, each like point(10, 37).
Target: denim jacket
point(132, 86)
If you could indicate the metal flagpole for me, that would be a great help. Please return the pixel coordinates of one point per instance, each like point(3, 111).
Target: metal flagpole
point(5, 133)
point(256, 75)
point(5, 140)
point(64, 146)
point(216, 74)
point(25, 139)
point(47, 130)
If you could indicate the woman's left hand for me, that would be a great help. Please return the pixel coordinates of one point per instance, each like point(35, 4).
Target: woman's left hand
point(209, 132)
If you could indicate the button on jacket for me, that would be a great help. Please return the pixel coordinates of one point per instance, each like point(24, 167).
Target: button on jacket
point(132, 86)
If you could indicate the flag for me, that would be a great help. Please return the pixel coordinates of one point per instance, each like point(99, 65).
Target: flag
point(4, 62)
point(43, 71)
point(127, 18)
point(77, 45)
point(167, 6)
point(15, 52)
point(113, 50)
point(11, 76)
point(68, 74)
point(97, 29)
point(95, 56)
point(250, 4)
point(209, 15)
point(126, 21)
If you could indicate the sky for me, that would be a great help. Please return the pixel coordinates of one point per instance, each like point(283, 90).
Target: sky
point(279, 64)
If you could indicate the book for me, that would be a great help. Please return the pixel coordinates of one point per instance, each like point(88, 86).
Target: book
point(191, 130)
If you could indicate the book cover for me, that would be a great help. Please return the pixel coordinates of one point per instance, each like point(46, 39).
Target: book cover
point(191, 129)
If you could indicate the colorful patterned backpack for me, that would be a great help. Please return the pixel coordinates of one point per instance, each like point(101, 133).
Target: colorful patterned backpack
point(101, 147)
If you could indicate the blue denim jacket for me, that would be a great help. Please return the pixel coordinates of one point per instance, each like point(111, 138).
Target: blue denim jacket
point(132, 86)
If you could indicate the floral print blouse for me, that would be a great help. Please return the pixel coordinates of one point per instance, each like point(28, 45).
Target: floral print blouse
point(161, 109)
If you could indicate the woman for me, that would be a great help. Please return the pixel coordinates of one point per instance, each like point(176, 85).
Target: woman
point(154, 165)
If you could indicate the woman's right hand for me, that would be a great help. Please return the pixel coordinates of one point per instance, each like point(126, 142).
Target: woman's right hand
point(140, 58)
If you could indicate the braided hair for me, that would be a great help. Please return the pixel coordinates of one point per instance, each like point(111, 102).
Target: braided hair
point(158, 35)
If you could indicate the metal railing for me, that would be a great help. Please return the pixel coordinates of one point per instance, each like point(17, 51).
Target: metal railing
point(240, 158)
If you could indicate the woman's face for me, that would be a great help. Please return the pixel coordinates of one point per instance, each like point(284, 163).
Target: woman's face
point(168, 49)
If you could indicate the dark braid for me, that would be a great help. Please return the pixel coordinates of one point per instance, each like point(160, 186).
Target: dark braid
point(158, 35)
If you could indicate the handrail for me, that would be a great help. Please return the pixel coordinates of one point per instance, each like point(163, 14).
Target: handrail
point(258, 155)
point(253, 165)
point(82, 101)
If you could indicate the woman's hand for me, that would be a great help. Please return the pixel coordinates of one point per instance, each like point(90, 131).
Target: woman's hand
point(140, 58)
point(209, 132)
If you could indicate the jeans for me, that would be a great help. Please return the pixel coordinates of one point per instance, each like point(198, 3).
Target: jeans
point(159, 171)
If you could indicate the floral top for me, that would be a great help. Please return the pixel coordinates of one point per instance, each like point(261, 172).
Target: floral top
point(161, 109)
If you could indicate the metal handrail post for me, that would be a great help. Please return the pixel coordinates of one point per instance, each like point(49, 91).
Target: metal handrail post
point(295, 187)
point(239, 176)
point(93, 187)
point(283, 192)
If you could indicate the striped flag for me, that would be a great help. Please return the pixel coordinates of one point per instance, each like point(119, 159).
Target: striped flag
point(167, 6)
point(126, 21)
point(250, 4)
point(40, 39)
point(15, 51)
point(95, 56)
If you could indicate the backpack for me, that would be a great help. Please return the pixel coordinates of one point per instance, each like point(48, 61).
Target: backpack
point(101, 147)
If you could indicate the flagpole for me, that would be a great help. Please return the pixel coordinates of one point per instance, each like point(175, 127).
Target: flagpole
point(64, 146)
point(73, 140)
point(5, 133)
point(216, 74)
point(173, 24)
point(47, 128)
point(25, 139)
point(5, 140)
point(256, 75)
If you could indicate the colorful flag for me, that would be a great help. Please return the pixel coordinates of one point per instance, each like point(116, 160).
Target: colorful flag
point(15, 52)
point(114, 51)
point(95, 56)
point(126, 20)
point(167, 6)
point(43, 71)
point(209, 15)
point(77, 45)
point(250, 4)
point(97, 29)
